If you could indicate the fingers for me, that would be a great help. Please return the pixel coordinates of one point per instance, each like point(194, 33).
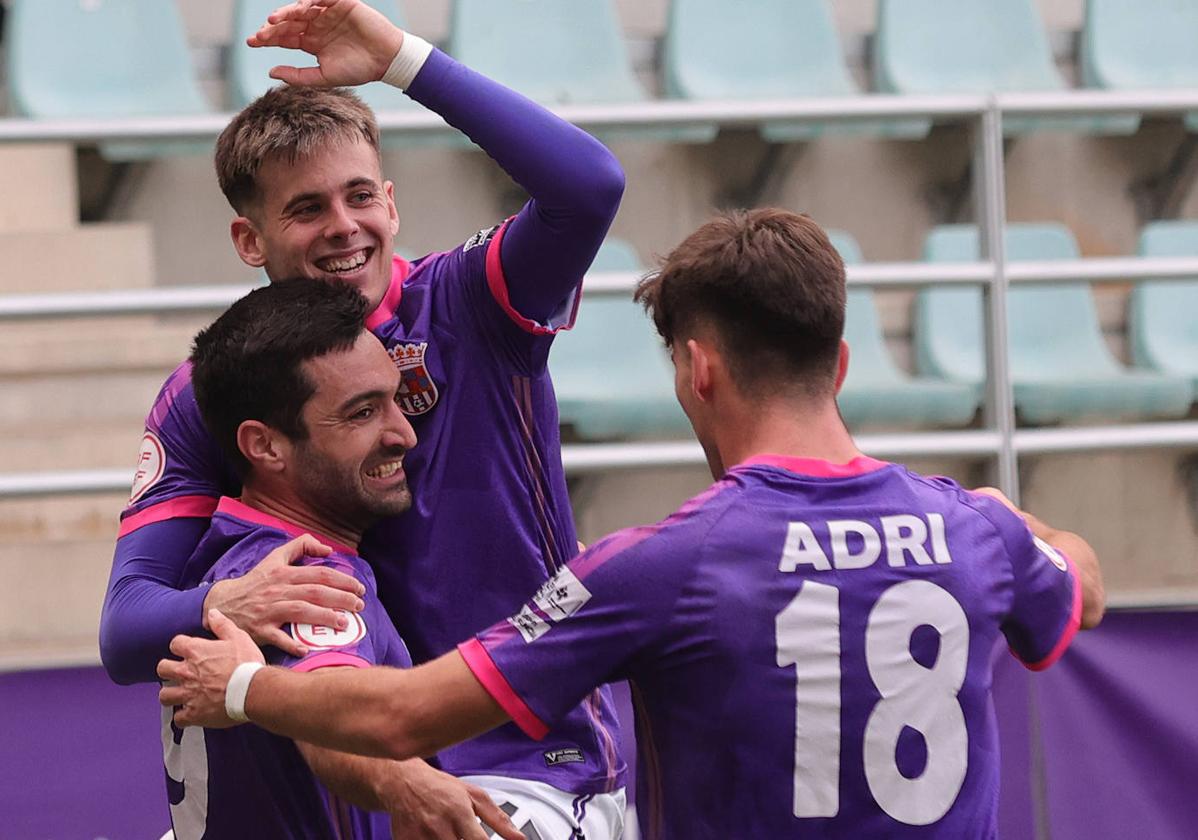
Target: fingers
point(301, 612)
point(172, 695)
point(491, 814)
point(221, 626)
point(297, 549)
point(181, 645)
point(284, 642)
point(323, 577)
point(171, 670)
point(300, 76)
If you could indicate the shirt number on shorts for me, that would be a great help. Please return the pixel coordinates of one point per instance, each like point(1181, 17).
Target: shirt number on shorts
point(807, 635)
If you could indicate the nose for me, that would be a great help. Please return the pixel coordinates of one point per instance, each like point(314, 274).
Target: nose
point(398, 431)
point(341, 222)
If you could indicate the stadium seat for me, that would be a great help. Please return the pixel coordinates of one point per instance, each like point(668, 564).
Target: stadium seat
point(1060, 365)
point(973, 46)
point(1162, 319)
point(876, 391)
point(556, 52)
point(1137, 44)
point(249, 68)
point(763, 49)
point(611, 374)
point(88, 58)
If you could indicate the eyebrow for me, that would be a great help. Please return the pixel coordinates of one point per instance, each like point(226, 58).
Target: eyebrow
point(362, 181)
point(364, 396)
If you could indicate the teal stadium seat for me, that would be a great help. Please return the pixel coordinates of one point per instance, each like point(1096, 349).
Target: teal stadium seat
point(1060, 365)
point(611, 374)
point(1137, 44)
point(1163, 315)
point(974, 46)
point(876, 391)
point(249, 67)
point(103, 58)
point(762, 49)
point(556, 52)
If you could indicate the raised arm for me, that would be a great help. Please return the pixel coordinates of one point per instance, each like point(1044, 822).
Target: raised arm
point(575, 183)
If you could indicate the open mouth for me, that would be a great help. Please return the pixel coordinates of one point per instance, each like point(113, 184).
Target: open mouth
point(385, 470)
point(347, 264)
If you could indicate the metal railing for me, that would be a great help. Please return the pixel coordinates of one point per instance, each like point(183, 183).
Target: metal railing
point(999, 440)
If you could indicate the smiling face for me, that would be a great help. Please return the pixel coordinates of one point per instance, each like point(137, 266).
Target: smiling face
point(350, 465)
point(328, 215)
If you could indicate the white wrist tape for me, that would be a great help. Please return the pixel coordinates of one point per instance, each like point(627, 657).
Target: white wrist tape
point(413, 52)
point(238, 688)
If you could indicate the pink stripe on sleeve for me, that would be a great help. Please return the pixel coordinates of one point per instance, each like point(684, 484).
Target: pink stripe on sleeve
point(1071, 626)
point(479, 661)
point(497, 283)
point(180, 507)
point(331, 659)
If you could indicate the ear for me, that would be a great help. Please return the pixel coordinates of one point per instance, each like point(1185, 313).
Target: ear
point(247, 242)
point(842, 364)
point(265, 448)
point(389, 189)
point(701, 369)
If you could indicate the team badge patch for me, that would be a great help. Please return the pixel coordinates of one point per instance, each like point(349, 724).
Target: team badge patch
point(417, 390)
point(319, 637)
point(480, 238)
point(151, 462)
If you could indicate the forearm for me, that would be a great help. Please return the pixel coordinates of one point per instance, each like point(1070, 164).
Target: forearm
point(367, 783)
point(1084, 560)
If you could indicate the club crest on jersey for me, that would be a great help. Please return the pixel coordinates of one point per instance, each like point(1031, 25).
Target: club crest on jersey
point(151, 463)
point(319, 637)
point(417, 390)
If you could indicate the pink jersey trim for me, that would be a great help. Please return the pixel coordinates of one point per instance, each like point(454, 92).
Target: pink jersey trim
point(242, 511)
point(479, 661)
point(1071, 626)
point(180, 507)
point(385, 311)
point(817, 467)
point(497, 282)
point(332, 659)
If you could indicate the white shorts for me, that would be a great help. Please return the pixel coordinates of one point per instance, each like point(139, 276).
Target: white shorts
point(542, 812)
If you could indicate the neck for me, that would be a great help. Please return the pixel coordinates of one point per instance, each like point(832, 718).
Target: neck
point(296, 512)
point(786, 427)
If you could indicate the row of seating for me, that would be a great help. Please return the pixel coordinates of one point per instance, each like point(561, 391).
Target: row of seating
point(614, 381)
point(70, 58)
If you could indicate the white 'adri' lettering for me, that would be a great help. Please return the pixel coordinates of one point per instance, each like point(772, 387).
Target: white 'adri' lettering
point(905, 538)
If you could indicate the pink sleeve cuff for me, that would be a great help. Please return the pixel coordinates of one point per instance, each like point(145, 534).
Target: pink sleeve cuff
point(479, 661)
point(497, 283)
point(1071, 626)
point(180, 507)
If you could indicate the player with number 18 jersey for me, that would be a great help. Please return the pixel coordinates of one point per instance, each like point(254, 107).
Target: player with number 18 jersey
point(819, 634)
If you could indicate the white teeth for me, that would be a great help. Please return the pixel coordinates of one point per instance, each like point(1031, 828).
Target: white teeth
point(385, 470)
point(345, 263)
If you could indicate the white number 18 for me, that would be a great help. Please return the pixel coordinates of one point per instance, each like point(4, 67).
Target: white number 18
point(807, 634)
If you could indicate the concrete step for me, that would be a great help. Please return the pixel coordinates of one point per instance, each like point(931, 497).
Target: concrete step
point(38, 188)
point(97, 345)
point(79, 446)
point(83, 399)
point(90, 257)
point(78, 518)
point(52, 591)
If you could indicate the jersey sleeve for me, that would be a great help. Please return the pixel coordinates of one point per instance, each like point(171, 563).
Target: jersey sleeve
point(590, 624)
point(180, 470)
point(1046, 596)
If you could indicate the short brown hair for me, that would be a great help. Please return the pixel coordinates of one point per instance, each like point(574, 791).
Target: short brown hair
point(286, 121)
point(771, 285)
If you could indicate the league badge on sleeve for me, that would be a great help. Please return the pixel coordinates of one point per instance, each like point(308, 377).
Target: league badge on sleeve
point(319, 637)
point(417, 390)
point(151, 462)
point(1051, 553)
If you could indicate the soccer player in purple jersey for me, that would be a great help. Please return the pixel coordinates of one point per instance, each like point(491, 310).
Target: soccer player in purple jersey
point(469, 331)
point(310, 420)
point(810, 640)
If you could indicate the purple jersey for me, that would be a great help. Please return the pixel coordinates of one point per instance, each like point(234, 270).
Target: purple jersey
point(245, 781)
point(810, 648)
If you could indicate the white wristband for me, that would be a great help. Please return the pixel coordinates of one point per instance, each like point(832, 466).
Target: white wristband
point(413, 52)
point(238, 688)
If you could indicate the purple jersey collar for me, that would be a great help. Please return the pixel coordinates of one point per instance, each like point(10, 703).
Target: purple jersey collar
point(385, 311)
point(816, 467)
point(239, 510)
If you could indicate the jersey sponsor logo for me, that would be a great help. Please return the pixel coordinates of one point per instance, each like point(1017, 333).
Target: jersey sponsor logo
point(151, 463)
point(480, 238)
point(568, 755)
point(417, 390)
point(558, 598)
point(1051, 553)
point(320, 637)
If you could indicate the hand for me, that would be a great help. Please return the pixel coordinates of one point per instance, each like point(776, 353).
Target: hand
point(352, 42)
point(275, 592)
point(426, 803)
point(197, 683)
